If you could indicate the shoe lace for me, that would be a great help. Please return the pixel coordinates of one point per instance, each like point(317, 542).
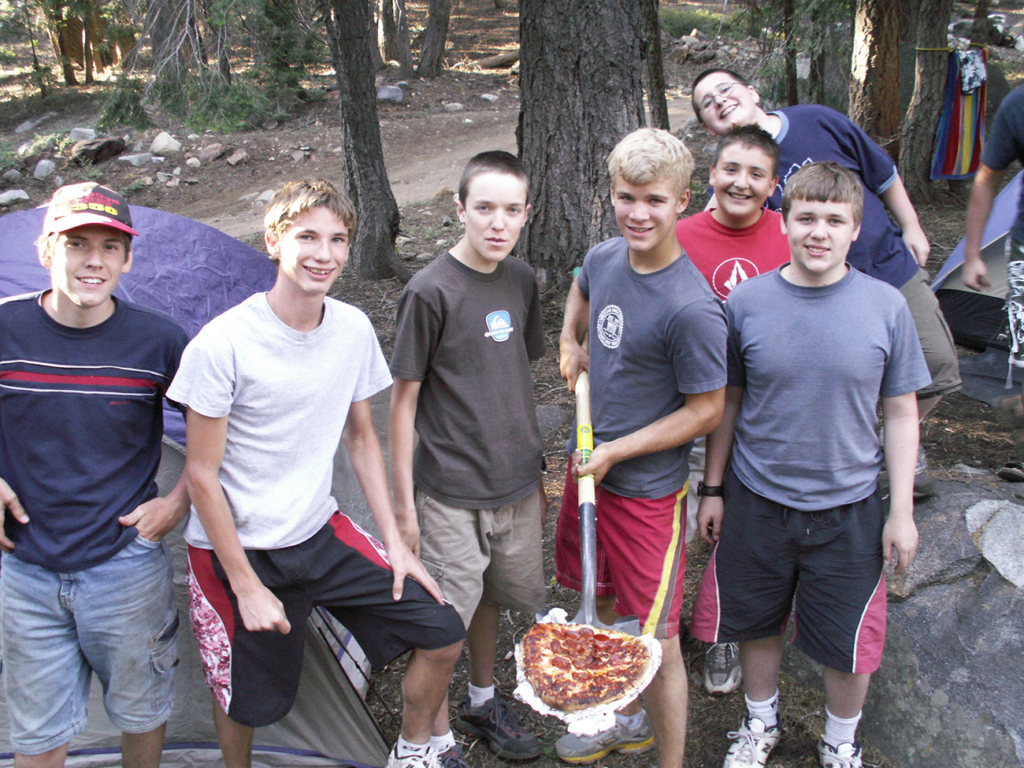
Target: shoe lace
point(452, 758)
point(503, 718)
point(721, 656)
point(748, 743)
point(836, 760)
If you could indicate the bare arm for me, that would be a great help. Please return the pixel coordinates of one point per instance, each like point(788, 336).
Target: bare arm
point(259, 608)
point(897, 200)
point(404, 397)
point(701, 414)
point(573, 358)
point(158, 517)
point(9, 503)
point(983, 195)
point(901, 435)
point(719, 448)
point(364, 452)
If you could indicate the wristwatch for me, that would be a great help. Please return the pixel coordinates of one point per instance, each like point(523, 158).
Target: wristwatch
point(708, 490)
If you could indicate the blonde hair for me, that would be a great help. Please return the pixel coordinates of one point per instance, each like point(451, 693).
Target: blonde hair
point(826, 182)
point(648, 155)
point(296, 197)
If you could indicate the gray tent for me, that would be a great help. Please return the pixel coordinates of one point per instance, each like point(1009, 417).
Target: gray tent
point(194, 272)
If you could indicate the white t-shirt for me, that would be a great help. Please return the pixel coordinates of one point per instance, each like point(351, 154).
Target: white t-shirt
point(286, 395)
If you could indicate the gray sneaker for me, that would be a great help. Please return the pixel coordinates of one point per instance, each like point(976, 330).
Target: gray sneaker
point(722, 673)
point(924, 484)
point(452, 758)
point(588, 749)
point(497, 723)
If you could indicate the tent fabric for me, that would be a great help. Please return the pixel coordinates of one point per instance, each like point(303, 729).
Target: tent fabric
point(181, 267)
point(194, 272)
point(961, 129)
point(978, 318)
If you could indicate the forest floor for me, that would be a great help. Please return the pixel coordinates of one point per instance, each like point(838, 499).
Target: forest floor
point(425, 147)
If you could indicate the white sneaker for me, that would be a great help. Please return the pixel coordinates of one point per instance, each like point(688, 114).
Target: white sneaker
point(722, 673)
point(426, 760)
point(751, 744)
point(844, 756)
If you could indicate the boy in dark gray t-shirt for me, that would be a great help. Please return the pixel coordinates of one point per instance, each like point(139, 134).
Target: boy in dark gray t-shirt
point(471, 501)
point(813, 347)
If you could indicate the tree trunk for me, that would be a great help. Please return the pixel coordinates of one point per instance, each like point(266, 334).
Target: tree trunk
point(405, 68)
point(376, 60)
point(789, 33)
point(980, 28)
point(918, 144)
point(875, 71)
point(387, 29)
point(656, 100)
point(819, 59)
point(62, 29)
point(366, 179)
point(87, 46)
point(432, 55)
point(582, 91)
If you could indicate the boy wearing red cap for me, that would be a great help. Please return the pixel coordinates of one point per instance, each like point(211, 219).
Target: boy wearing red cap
point(85, 584)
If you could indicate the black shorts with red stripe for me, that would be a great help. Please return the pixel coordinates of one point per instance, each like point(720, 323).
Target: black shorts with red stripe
point(825, 566)
point(255, 675)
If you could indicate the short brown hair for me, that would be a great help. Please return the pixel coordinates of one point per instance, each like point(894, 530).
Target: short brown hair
point(648, 155)
point(713, 71)
point(493, 161)
point(296, 197)
point(825, 183)
point(751, 137)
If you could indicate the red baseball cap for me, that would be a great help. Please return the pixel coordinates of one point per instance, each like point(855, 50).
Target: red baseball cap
point(76, 205)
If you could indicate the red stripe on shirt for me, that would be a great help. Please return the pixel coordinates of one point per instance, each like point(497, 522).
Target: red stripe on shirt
point(60, 378)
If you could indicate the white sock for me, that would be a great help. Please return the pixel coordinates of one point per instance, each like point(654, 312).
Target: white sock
point(631, 722)
point(765, 711)
point(405, 748)
point(442, 743)
point(480, 696)
point(840, 730)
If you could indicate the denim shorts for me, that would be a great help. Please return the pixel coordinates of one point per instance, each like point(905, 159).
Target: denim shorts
point(118, 619)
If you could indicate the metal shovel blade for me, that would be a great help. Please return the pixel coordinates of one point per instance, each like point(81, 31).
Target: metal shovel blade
point(588, 522)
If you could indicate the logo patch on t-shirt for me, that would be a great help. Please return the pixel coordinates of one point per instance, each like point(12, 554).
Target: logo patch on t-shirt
point(731, 273)
point(609, 326)
point(499, 325)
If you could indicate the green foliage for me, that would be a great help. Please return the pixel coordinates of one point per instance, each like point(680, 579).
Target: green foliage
point(133, 187)
point(124, 107)
point(8, 153)
point(682, 21)
point(8, 55)
point(207, 102)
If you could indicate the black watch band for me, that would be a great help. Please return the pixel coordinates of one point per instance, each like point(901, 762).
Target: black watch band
point(709, 490)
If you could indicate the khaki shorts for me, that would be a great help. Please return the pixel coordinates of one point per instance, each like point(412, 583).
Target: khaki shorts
point(936, 340)
point(484, 555)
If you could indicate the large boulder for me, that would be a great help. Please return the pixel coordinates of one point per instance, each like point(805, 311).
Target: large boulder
point(951, 685)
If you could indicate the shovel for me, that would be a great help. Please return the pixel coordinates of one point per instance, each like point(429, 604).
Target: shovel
point(588, 521)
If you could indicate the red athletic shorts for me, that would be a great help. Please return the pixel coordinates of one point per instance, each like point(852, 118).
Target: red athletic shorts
point(641, 554)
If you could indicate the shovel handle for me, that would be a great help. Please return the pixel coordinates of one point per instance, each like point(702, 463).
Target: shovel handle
point(587, 507)
point(584, 436)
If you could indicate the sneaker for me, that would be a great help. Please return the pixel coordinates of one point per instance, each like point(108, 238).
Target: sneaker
point(586, 749)
point(722, 668)
point(427, 760)
point(844, 756)
point(751, 744)
point(495, 722)
point(924, 484)
point(451, 758)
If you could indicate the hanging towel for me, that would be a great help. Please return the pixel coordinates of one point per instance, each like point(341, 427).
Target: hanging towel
point(961, 130)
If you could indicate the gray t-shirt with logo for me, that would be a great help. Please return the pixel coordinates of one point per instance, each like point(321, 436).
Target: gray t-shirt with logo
point(654, 339)
point(469, 338)
point(813, 363)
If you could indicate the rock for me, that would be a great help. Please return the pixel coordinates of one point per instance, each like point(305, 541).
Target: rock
point(453, 107)
point(194, 137)
point(96, 151)
point(28, 125)
point(146, 181)
point(58, 181)
point(403, 84)
point(390, 93)
point(424, 256)
point(82, 134)
point(402, 240)
point(138, 160)
point(194, 162)
point(212, 152)
point(265, 196)
point(13, 195)
point(298, 155)
point(175, 181)
point(952, 676)
point(442, 243)
point(998, 530)
point(12, 174)
point(162, 177)
point(249, 196)
point(44, 168)
point(491, 97)
point(139, 146)
point(447, 222)
point(443, 192)
point(240, 156)
point(177, 171)
point(191, 181)
point(165, 144)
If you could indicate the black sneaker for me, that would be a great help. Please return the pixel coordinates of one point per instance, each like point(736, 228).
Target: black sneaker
point(452, 758)
point(495, 722)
